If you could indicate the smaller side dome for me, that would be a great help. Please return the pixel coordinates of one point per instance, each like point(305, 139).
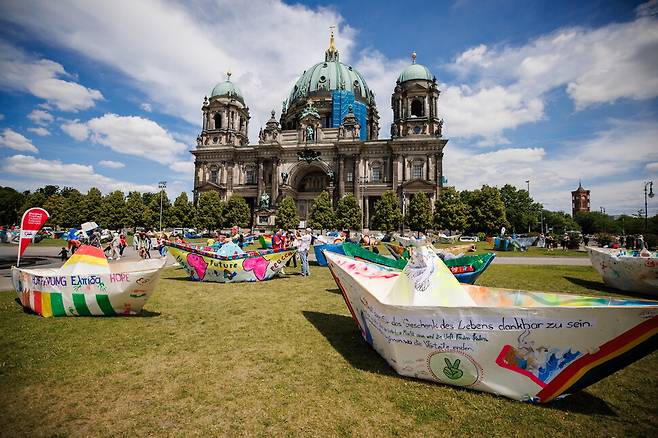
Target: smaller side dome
point(415, 72)
point(226, 88)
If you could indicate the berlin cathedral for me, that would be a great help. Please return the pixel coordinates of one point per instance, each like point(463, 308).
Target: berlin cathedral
point(327, 138)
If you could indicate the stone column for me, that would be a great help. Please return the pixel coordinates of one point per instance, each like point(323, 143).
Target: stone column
point(427, 169)
point(275, 181)
point(341, 176)
point(260, 181)
point(404, 168)
point(366, 212)
point(357, 176)
point(394, 172)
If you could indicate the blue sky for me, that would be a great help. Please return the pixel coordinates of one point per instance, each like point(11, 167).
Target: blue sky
point(108, 94)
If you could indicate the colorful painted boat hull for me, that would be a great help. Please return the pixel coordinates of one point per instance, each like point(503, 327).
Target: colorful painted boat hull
point(265, 241)
point(253, 266)
point(623, 271)
point(122, 291)
point(529, 346)
point(319, 251)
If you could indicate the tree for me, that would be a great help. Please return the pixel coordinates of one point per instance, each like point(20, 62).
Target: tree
point(450, 212)
point(486, 210)
point(152, 213)
point(134, 211)
point(10, 205)
point(237, 212)
point(348, 213)
point(209, 211)
point(520, 210)
point(387, 216)
point(419, 213)
point(73, 213)
point(113, 210)
point(55, 205)
point(559, 222)
point(182, 212)
point(91, 205)
point(322, 214)
point(286, 214)
point(596, 222)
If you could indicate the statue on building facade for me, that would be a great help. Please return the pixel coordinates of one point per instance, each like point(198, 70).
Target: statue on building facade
point(309, 132)
point(264, 200)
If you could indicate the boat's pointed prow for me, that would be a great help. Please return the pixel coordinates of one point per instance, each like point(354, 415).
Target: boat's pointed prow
point(427, 281)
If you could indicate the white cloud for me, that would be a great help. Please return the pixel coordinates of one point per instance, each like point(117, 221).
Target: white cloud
point(42, 78)
point(111, 164)
point(185, 167)
point(76, 130)
point(609, 164)
point(146, 107)
point(14, 140)
point(41, 131)
point(40, 117)
point(176, 69)
point(509, 83)
point(31, 172)
point(129, 135)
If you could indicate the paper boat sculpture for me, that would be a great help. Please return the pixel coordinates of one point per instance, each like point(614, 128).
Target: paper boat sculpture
point(626, 270)
point(320, 249)
point(265, 241)
point(87, 285)
point(466, 269)
point(209, 266)
point(529, 346)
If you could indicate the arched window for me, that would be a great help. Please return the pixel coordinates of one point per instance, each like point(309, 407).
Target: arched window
point(218, 120)
point(416, 108)
point(214, 176)
point(250, 176)
point(376, 174)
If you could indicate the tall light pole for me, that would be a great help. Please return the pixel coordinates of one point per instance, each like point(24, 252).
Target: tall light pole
point(161, 185)
point(528, 182)
point(646, 210)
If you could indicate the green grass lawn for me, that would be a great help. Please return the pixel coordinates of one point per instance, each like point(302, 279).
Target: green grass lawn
point(533, 251)
point(281, 357)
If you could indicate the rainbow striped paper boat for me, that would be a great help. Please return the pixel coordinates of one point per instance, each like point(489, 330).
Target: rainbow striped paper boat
point(87, 285)
point(529, 346)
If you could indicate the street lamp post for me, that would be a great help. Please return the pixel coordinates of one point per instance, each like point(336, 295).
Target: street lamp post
point(528, 182)
point(161, 185)
point(646, 209)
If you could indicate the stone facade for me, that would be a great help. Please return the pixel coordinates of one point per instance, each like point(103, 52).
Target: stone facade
point(304, 161)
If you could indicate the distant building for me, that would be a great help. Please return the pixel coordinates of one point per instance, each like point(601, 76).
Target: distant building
point(326, 139)
point(579, 200)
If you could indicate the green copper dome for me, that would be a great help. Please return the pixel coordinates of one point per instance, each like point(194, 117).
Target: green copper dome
point(416, 72)
point(327, 76)
point(226, 88)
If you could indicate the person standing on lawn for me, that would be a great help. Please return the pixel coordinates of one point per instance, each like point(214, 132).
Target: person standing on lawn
point(303, 246)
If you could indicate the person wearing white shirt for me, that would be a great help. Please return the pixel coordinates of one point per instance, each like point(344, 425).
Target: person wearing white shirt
point(303, 246)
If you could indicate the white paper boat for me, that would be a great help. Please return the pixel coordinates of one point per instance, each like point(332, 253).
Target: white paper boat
point(626, 270)
point(530, 346)
point(87, 285)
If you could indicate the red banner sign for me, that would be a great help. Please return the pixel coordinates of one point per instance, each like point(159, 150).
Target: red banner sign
point(32, 221)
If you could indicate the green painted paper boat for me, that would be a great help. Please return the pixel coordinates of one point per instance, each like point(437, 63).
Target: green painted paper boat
point(466, 268)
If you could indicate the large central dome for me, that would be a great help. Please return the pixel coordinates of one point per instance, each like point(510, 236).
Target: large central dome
point(330, 75)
